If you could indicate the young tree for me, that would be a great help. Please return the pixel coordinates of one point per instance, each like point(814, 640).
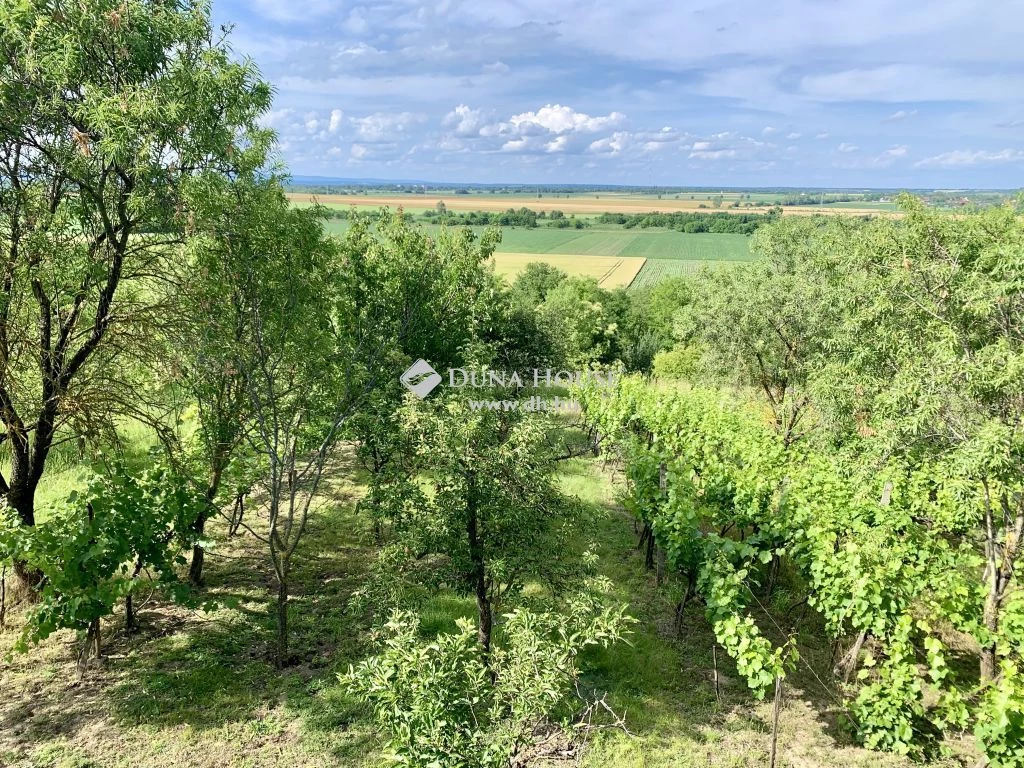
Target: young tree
point(114, 114)
point(493, 508)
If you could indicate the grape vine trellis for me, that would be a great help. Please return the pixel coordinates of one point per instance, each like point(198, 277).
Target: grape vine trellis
point(877, 549)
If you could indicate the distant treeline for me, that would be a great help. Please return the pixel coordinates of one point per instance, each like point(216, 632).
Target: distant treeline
point(717, 223)
point(513, 217)
point(805, 198)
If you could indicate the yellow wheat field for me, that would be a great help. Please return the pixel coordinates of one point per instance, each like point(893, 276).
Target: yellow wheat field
point(580, 205)
point(609, 271)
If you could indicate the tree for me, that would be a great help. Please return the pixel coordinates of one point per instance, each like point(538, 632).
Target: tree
point(93, 547)
point(532, 286)
point(493, 509)
point(582, 324)
point(943, 382)
point(115, 114)
point(766, 324)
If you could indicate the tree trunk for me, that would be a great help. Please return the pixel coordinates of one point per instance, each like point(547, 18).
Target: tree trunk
point(195, 570)
point(485, 617)
point(282, 624)
point(990, 616)
point(21, 498)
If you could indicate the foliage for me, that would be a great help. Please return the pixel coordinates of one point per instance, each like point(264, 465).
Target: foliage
point(117, 115)
point(737, 497)
point(442, 702)
point(93, 548)
point(717, 223)
point(486, 501)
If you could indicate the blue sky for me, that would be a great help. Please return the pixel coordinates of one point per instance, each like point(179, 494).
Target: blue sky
point(729, 93)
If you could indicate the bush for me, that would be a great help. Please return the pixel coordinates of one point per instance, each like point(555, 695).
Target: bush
point(442, 703)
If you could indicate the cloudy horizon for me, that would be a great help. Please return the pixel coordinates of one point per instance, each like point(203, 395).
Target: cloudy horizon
point(734, 93)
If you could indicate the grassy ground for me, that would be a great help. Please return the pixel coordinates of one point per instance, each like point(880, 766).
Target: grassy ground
point(197, 690)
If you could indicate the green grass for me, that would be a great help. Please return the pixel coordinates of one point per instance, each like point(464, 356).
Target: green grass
point(650, 244)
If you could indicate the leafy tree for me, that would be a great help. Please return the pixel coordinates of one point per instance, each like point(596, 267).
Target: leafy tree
point(582, 322)
point(115, 114)
point(488, 502)
point(532, 286)
point(943, 383)
point(765, 324)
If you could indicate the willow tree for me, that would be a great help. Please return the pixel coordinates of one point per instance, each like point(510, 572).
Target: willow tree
point(114, 117)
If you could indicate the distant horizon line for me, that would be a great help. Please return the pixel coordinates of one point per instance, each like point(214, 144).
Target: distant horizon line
point(300, 179)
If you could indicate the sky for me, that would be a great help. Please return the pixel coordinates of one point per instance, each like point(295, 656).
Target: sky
point(831, 93)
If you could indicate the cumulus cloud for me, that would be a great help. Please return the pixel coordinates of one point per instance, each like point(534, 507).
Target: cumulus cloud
point(556, 118)
point(847, 147)
point(961, 158)
point(793, 136)
point(610, 145)
point(334, 124)
point(726, 145)
point(463, 121)
point(385, 126)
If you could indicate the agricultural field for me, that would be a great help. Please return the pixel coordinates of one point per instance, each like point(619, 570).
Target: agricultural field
point(656, 270)
point(592, 205)
point(644, 256)
point(609, 271)
point(651, 244)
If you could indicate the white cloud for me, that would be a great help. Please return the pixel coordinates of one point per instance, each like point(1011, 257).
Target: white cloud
point(288, 10)
point(961, 158)
point(335, 122)
point(822, 135)
point(768, 130)
point(726, 145)
point(847, 147)
point(384, 126)
point(558, 144)
point(610, 145)
point(464, 121)
point(904, 82)
point(793, 136)
point(714, 154)
point(556, 118)
point(884, 159)
point(900, 114)
point(277, 118)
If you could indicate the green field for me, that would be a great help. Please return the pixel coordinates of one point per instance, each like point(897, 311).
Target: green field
point(611, 240)
point(668, 253)
point(656, 270)
point(649, 244)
